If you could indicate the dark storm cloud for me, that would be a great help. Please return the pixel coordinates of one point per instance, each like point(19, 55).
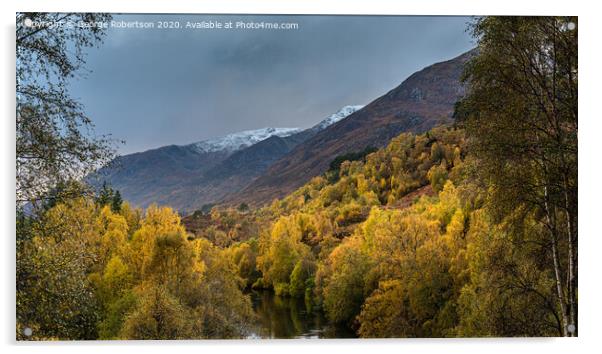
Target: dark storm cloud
point(156, 87)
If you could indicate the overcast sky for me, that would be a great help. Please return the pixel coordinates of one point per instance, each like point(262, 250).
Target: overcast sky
point(153, 87)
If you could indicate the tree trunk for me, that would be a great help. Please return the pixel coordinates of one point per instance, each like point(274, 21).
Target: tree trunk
point(557, 272)
point(572, 274)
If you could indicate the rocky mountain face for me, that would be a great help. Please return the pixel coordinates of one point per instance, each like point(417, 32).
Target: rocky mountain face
point(422, 101)
point(189, 176)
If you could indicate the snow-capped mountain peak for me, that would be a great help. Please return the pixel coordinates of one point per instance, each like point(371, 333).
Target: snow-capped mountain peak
point(337, 116)
point(240, 140)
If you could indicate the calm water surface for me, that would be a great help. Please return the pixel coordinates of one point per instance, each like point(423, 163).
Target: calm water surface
point(283, 317)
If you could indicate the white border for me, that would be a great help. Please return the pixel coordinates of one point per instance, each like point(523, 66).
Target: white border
point(590, 171)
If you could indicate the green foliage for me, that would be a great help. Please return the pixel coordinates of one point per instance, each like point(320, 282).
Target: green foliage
point(301, 276)
point(521, 116)
point(437, 175)
point(504, 281)
point(206, 208)
point(341, 280)
point(334, 169)
point(280, 250)
point(244, 256)
point(116, 311)
point(335, 165)
point(109, 196)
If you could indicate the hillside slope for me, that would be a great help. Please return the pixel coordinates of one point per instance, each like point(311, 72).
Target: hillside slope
point(424, 100)
point(186, 177)
point(240, 168)
point(156, 175)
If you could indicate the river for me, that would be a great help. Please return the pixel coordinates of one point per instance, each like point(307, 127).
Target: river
point(283, 317)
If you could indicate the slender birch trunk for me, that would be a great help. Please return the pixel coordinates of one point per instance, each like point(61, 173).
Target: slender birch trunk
point(555, 258)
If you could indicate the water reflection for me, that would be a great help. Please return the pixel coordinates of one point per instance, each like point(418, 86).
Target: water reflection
point(282, 317)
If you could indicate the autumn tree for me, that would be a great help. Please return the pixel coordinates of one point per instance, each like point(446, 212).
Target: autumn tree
point(82, 273)
point(55, 141)
point(510, 291)
point(412, 253)
point(159, 315)
point(280, 250)
point(54, 296)
point(520, 114)
point(341, 280)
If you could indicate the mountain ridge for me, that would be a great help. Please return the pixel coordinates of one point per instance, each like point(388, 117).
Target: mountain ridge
point(192, 175)
point(239, 140)
point(424, 100)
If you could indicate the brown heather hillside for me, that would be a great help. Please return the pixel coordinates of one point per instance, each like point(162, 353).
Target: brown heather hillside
point(424, 100)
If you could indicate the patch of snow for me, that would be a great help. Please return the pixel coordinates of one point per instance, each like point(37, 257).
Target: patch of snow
point(236, 141)
point(339, 115)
